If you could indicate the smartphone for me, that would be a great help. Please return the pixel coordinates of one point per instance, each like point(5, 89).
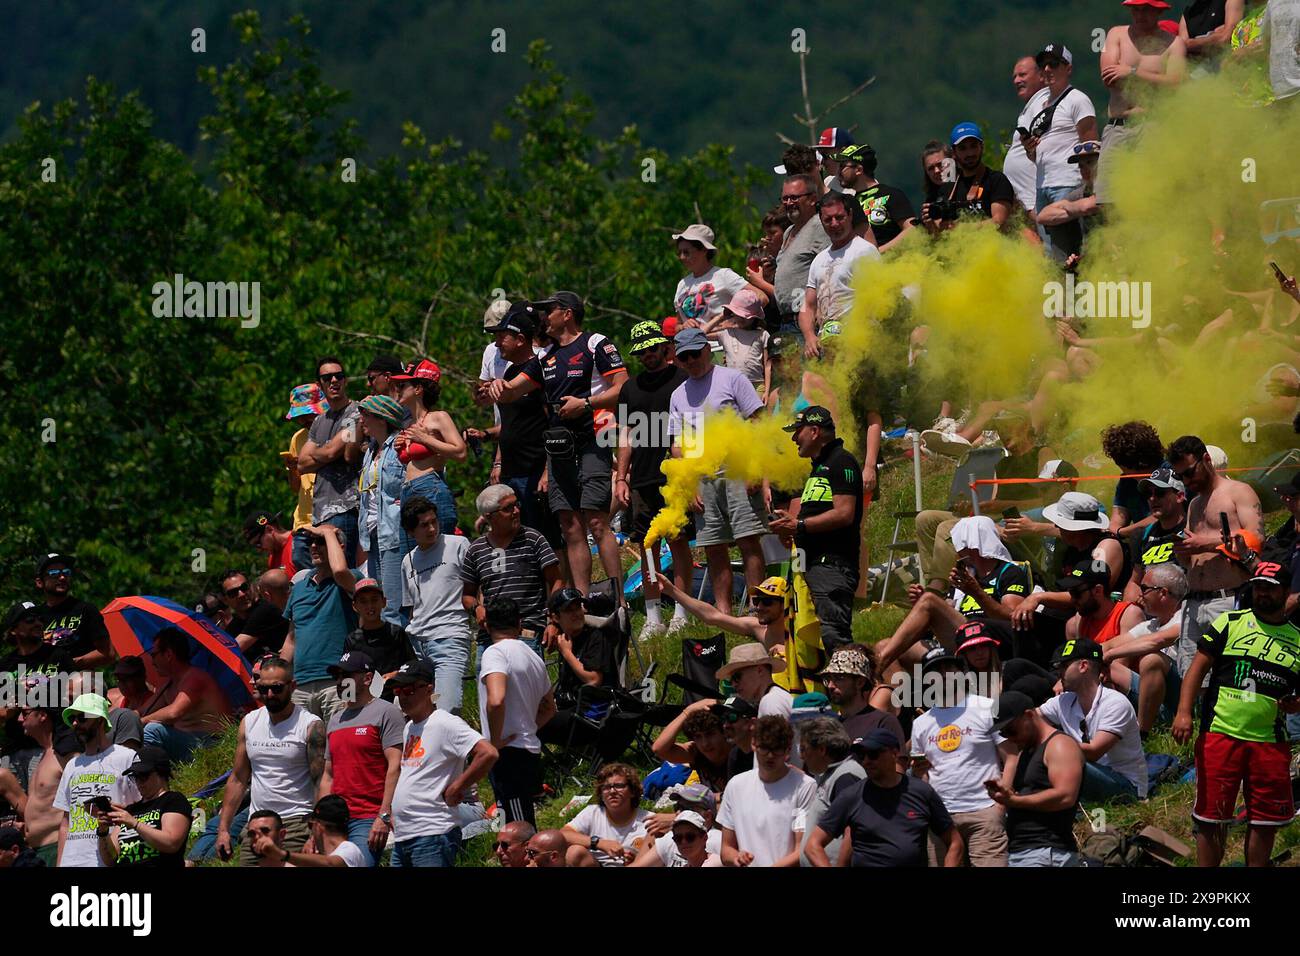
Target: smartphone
point(1277, 271)
point(1023, 132)
point(1225, 529)
point(1012, 512)
point(102, 804)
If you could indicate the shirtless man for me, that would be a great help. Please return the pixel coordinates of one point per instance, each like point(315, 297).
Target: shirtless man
point(1137, 59)
point(766, 625)
point(1213, 577)
point(132, 691)
point(40, 819)
point(188, 709)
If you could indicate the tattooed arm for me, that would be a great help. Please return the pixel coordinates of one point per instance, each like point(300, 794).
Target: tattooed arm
point(316, 755)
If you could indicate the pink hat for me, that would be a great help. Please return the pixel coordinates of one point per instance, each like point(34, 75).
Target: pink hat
point(746, 304)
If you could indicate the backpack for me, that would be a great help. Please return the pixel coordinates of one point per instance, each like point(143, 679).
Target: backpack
point(1111, 847)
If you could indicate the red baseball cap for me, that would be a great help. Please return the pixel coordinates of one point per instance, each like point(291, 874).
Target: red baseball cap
point(1158, 4)
point(423, 369)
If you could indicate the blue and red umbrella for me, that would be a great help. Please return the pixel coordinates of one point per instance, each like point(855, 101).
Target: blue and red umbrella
point(134, 621)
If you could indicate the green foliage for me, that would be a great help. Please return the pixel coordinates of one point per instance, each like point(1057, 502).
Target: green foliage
point(166, 429)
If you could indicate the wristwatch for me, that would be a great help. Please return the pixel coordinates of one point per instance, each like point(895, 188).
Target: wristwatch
point(593, 843)
point(387, 818)
point(799, 526)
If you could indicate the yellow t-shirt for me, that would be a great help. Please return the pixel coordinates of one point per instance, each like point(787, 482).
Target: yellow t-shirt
point(302, 512)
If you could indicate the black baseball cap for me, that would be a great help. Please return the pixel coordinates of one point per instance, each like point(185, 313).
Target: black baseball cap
point(55, 558)
point(1054, 51)
point(1011, 704)
point(149, 759)
point(940, 655)
point(1085, 573)
point(565, 300)
point(734, 708)
point(521, 317)
point(812, 415)
point(1271, 572)
point(352, 662)
point(332, 810)
point(413, 672)
point(563, 598)
point(385, 363)
point(18, 613)
point(258, 521)
point(877, 738)
point(1079, 649)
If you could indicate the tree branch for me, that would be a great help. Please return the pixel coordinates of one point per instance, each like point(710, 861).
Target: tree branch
point(809, 121)
point(848, 96)
point(613, 311)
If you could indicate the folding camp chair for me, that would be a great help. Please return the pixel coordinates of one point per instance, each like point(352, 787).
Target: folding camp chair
point(1278, 470)
point(979, 463)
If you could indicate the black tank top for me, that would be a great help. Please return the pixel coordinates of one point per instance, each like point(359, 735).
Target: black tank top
point(1032, 829)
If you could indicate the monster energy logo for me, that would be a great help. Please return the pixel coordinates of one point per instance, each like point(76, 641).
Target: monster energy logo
point(1241, 673)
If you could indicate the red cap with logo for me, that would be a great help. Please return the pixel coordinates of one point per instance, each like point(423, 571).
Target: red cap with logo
point(424, 369)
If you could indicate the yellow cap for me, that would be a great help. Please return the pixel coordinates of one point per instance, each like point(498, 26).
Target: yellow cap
point(772, 587)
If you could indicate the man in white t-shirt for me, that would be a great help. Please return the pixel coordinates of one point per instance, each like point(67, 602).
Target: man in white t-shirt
point(764, 812)
point(828, 293)
point(1066, 117)
point(1142, 661)
point(706, 288)
point(1017, 166)
point(615, 828)
point(1101, 720)
point(514, 699)
point(91, 781)
point(955, 749)
point(432, 592)
point(442, 758)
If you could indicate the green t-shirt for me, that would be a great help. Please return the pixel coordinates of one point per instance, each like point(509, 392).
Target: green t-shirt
point(1255, 665)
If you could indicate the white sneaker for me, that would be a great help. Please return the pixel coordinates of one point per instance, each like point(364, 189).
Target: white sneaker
point(650, 630)
point(946, 443)
point(678, 624)
point(945, 424)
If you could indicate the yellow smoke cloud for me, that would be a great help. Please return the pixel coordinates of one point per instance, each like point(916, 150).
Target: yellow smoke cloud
point(748, 451)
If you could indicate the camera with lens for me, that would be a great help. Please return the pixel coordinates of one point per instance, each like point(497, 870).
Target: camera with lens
point(947, 209)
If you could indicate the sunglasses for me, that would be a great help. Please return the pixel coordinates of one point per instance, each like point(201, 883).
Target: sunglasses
point(768, 600)
point(1187, 472)
point(1083, 729)
point(335, 377)
point(1148, 588)
point(534, 854)
point(238, 589)
point(265, 689)
point(690, 837)
point(501, 845)
point(59, 573)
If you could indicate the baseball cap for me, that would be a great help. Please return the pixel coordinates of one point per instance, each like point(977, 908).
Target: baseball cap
point(937, 656)
point(1291, 488)
point(565, 300)
point(693, 818)
point(332, 810)
point(1271, 572)
point(1086, 573)
point(734, 708)
point(694, 795)
point(149, 759)
point(423, 369)
point(305, 400)
point(413, 672)
point(493, 314)
point(697, 232)
point(1156, 4)
point(352, 662)
point(972, 635)
point(855, 154)
point(563, 598)
point(1089, 147)
point(55, 558)
point(521, 317)
point(91, 704)
point(646, 335)
point(130, 666)
point(847, 661)
point(1036, 687)
point(964, 131)
point(1076, 511)
point(1079, 649)
point(877, 738)
point(18, 613)
point(382, 406)
point(1011, 704)
point(1054, 51)
point(1163, 478)
point(833, 138)
point(385, 363)
point(258, 522)
point(775, 586)
point(367, 584)
point(745, 304)
point(812, 415)
point(690, 340)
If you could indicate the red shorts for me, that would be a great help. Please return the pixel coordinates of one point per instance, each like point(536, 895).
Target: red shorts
point(1224, 764)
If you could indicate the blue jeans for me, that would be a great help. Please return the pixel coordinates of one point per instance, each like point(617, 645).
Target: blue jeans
point(1103, 783)
point(205, 847)
point(448, 653)
point(179, 744)
point(1043, 856)
point(347, 523)
point(437, 850)
point(359, 836)
point(1045, 197)
point(301, 550)
point(385, 566)
point(433, 487)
